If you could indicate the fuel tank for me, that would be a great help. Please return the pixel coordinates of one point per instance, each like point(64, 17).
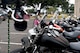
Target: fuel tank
point(52, 42)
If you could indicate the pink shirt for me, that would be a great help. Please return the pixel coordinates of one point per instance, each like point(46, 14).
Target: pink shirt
point(36, 22)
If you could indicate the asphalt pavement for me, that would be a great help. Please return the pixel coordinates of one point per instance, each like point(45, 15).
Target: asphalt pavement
point(15, 36)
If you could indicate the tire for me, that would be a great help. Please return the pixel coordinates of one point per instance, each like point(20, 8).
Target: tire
point(21, 50)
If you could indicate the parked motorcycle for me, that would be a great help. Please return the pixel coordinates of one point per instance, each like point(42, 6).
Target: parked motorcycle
point(20, 18)
point(3, 15)
point(49, 40)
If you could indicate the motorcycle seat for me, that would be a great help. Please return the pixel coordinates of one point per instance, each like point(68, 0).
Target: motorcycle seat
point(76, 28)
point(72, 34)
point(75, 45)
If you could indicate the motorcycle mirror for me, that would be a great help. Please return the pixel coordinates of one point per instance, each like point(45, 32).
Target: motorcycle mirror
point(20, 26)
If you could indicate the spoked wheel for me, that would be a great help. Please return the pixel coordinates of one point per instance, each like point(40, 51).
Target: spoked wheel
point(20, 26)
point(18, 51)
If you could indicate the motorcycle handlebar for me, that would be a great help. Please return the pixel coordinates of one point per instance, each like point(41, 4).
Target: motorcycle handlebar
point(12, 15)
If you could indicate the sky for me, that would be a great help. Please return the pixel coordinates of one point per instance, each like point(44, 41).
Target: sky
point(72, 1)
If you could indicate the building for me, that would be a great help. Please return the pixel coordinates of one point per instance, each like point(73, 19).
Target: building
point(77, 8)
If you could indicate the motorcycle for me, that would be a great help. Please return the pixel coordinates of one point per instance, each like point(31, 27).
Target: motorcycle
point(51, 41)
point(72, 21)
point(20, 18)
point(3, 15)
point(66, 26)
point(48, 40)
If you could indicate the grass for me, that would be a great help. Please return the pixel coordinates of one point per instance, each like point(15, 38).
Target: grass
point(51, 15)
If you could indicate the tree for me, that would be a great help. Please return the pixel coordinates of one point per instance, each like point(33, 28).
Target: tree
point(71, 8)
point(55, 3)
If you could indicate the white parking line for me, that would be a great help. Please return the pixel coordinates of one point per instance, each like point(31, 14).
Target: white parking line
point(18, 33)
point(11, 43)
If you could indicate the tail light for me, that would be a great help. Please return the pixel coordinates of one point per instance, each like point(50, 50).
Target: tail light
point(78, 37)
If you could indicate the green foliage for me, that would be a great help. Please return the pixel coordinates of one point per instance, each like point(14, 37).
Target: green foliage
point(51, 9)
point(71, 8)
point(55, 3)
